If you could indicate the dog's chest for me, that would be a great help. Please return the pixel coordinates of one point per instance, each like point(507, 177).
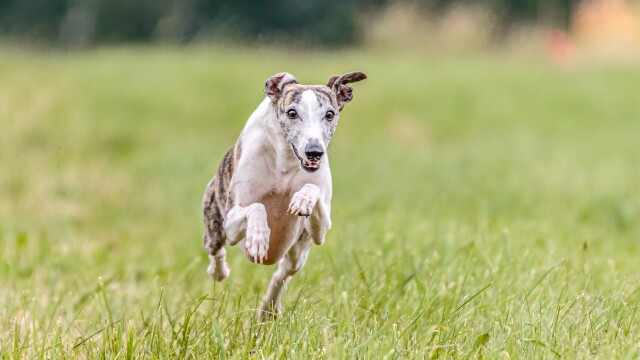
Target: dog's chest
point(285, 228)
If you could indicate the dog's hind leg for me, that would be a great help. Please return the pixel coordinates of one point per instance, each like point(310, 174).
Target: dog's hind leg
point(214, 236)
point(288, 266)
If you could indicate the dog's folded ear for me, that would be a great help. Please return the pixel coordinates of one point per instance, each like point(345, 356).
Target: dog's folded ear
point(275, 84)
point(344, 93)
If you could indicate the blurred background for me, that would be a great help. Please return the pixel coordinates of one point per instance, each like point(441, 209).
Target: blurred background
point(495, 143)
point(562, 27)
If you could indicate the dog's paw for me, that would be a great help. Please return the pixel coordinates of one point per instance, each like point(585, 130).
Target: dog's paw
point(268, 311)
point(219, 273)
point(303, 201)
point(257, 239)
point(219, 269)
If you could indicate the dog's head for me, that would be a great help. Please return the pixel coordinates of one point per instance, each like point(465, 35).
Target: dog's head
point(308, 114)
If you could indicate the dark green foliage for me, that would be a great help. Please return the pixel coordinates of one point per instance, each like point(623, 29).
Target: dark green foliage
point(318, 22)
point(321, 22)
point(127, 20)
point(31, 18)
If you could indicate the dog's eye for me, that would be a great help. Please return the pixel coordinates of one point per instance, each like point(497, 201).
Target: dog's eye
point(292, 114)
point(329, 115)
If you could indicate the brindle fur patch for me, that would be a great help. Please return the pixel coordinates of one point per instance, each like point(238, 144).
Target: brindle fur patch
point(292, 93)
point(218, 199)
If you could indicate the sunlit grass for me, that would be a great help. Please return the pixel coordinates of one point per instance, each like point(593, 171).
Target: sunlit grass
point(483, 206)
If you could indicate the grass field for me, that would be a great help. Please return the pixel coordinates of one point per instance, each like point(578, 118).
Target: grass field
point(484, 206)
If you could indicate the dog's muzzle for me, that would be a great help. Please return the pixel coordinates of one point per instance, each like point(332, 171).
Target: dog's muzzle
point(313, 153)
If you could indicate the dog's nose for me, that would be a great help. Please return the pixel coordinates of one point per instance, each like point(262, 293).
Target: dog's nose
point(314, 151)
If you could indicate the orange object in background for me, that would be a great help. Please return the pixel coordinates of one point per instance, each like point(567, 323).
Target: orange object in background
point(608, 26)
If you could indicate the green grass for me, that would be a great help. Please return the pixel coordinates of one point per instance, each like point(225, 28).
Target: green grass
point(484, 206)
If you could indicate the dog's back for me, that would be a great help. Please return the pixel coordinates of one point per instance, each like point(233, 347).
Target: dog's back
point(218, 199)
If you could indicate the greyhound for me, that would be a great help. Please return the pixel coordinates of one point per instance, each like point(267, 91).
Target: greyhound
point(271, 195)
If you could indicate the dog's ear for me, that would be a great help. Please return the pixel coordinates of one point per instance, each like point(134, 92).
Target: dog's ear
point(275, 84)
point(344, 93)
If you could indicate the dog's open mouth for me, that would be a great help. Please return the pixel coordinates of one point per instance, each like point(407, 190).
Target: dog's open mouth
point(307, 165)
point(310, 165)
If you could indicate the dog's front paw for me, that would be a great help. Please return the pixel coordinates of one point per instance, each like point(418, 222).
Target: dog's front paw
point(257, 239)
point(303, 201)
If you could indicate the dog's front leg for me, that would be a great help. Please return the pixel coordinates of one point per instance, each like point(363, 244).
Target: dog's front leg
point(308, 202)
point(249, 223)
point(319, 222)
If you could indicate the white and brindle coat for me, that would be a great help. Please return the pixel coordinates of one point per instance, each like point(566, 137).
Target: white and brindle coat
point(271, 194)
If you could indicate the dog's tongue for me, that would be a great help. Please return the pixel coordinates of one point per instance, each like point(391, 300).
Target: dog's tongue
point(311, 164)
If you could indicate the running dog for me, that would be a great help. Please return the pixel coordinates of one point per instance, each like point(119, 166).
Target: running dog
point(271, 195)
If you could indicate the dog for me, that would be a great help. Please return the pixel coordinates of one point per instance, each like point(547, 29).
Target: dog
point(271, 195)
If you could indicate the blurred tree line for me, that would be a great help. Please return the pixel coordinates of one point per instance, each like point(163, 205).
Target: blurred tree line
point(79, 23)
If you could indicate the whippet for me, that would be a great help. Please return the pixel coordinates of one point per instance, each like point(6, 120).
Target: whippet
point(271, 195)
